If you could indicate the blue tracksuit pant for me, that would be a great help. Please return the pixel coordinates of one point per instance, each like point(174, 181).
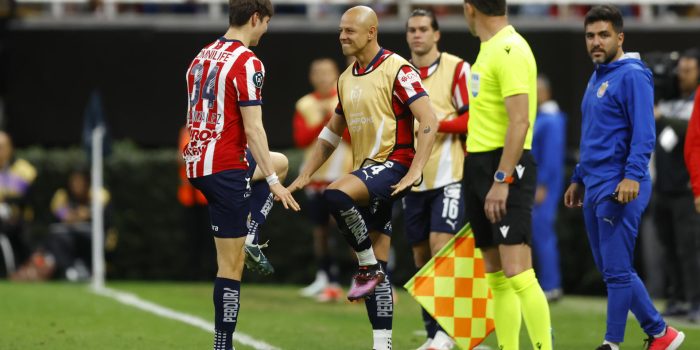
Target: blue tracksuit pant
point(612, 232)
point(544, 243)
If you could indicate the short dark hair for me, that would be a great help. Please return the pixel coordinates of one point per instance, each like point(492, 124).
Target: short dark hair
point(692, 54)
point(489, 7)
point(426, 13)
point(605, 13)
point(240, 11)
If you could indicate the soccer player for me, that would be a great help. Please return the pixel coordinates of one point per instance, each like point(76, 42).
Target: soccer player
point(434, 210)
point(224, 83)
point(500, 174)
point(617, 138)
point(312, 113)
point(378, 97)
point(548, 146)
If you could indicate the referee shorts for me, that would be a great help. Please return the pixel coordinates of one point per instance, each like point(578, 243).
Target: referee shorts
point(516, 226)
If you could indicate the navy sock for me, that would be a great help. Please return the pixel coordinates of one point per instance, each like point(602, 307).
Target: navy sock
point(431, 326)
point(349, 219)
point(260, 205)
point(325, 264)
point(380, 305)
point(227, 294)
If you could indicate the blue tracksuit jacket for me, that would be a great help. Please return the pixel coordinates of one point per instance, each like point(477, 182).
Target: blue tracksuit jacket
point(618, 130)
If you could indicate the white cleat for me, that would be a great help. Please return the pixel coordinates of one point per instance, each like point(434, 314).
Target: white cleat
point(442, 341)
point(316, 287)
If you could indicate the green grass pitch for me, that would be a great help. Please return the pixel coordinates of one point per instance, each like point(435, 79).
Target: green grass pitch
point(66, 316)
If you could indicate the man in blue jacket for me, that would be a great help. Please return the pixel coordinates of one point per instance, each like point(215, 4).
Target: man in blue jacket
point(617, 138)
point(548, 145)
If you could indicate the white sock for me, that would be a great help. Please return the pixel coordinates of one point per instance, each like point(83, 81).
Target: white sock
point(249, 239)
point(661, 334)
point(382, 339)
point(442, 340)
point(366, 257)
point(613, 346)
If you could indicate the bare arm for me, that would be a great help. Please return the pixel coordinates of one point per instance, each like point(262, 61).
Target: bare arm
point(423, 112)
point(257, 143)
point(321, 151)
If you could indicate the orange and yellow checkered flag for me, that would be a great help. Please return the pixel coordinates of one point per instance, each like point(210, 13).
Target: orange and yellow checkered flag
point(452, 287)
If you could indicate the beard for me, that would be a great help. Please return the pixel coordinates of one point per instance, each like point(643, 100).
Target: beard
point(608, 56)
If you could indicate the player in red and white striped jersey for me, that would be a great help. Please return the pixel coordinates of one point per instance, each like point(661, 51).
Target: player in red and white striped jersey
point(224, 118)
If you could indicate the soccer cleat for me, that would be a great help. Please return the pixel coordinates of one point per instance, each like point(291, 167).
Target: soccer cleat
point(554, 295)
point(426, 345)
point(316, 287)
point(672, 340)
point(332, 293)
point(256, 260)
point(366, 279)
point(604, 347)
point(442, 341)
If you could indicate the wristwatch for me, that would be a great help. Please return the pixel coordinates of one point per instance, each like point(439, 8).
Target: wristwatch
point(501, 177)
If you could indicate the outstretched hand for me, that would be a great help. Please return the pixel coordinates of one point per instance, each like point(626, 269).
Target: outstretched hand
point(285, 196)
point(406, 182)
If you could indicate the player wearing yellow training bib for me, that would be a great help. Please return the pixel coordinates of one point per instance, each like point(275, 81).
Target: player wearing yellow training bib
point(379, 96)
point(500, 175)
point(434, 210)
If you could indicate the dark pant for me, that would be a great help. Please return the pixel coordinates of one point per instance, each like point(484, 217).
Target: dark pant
point(678, 227)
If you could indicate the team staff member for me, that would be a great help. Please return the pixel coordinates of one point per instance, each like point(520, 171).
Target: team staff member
point(224, 83)
point(434, 210)
point(617, 138)
point(379, 95)
point(500, 174)
point(312, 113)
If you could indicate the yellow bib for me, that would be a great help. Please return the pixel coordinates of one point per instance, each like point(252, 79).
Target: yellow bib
point(447, 157)
point(366, 100)
point(314, 112)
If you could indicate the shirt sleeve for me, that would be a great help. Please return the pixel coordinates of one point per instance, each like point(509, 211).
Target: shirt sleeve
point(639, 110)
point(692, 146)
point(513, 71)
point(551, 164)
point(460, 94)
point(248, 81)
point(408, 87)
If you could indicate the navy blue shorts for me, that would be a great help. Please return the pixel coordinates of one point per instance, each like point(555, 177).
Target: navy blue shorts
point(228, 194)
point(437, 210)
point(379, 178)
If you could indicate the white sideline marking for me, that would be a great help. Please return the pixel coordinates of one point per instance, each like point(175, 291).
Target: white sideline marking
point(135, 301)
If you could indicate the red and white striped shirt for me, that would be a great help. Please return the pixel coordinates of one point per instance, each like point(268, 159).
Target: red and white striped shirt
point(223, 77)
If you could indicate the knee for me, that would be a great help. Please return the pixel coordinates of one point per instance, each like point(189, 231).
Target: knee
point(281, 164)
point(617, 279)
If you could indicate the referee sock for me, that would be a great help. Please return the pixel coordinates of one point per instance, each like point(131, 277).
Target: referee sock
point(535, 309)
point(350, 222)
point(506, 305)
point(260, 205)
point(227, 293)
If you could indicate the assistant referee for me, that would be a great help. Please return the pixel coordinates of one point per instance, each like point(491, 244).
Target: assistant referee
point(500, 175)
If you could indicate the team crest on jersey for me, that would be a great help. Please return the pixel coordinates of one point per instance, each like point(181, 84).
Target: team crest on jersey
point(258, 79)
point(475, 84)
point(601, 90)
point(355, 95)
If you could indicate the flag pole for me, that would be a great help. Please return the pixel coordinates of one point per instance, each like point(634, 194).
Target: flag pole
point(98, 258)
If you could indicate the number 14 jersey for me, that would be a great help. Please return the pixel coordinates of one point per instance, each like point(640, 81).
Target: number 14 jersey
point(223, 77)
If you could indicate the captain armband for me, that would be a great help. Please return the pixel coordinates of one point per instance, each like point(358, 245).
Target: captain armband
point(328, 135)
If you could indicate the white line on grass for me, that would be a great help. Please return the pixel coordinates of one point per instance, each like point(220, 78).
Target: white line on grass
point(135, 301)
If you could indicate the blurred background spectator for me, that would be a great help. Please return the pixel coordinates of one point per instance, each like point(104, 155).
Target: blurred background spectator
point(16, 179)
point(678, 224)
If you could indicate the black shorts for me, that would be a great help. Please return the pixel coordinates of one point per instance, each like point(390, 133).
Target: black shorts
point(228, 195)
point(516, 226)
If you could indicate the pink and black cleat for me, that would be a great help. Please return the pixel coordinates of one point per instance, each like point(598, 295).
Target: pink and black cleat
point(366, 279)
